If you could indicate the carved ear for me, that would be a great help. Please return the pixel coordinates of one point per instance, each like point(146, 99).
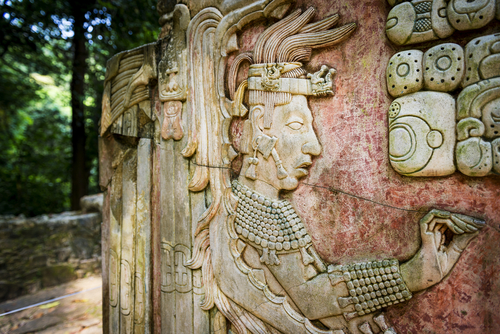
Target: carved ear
point(257, 119)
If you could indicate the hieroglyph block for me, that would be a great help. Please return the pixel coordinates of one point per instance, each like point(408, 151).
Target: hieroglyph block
point(444, 67)
point(404, 73)
point(482, 59)
point(467, 15)
point(418, 21)
point(478, 112)
point(422, 134)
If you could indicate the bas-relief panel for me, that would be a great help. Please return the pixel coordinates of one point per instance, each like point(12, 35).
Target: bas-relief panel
point(351, 210)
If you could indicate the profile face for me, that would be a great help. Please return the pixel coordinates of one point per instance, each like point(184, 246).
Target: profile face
point(297, 142)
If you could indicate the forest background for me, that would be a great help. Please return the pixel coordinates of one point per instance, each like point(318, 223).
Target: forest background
point(52, 65)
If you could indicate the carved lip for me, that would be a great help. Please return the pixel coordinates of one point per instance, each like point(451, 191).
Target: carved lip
point(302, 165)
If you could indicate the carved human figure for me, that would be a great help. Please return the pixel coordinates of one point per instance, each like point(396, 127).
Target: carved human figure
point(259, 264)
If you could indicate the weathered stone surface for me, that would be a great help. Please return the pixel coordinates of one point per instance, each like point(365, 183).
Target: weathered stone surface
point(404, 73)
point(478, 109)
point(47, 250)
point(352, 205)
point(481, 59)
point(422, 134)
point(91, 203)
point(474, 157)
point(417, 22)
point(465, 15)
point(443, 67)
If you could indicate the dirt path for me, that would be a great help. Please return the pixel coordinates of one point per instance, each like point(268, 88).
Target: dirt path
point(81, 313)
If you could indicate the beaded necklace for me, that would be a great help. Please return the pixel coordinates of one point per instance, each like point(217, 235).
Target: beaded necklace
point(268, 224)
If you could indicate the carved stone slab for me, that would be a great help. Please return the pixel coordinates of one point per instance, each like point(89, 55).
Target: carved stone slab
point(278, 114)
point(482, 59)
point(404, 73)
point(443, 67)
point(422, 134)
point(467, 15)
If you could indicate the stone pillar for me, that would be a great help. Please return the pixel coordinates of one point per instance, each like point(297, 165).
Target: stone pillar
point(304, 167)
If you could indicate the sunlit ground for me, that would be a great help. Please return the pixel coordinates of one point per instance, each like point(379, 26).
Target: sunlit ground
point(81, 313)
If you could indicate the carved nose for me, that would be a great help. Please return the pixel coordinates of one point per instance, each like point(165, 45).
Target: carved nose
point(313, 147)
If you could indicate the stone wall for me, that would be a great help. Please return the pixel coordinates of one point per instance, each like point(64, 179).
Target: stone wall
point(49, 249)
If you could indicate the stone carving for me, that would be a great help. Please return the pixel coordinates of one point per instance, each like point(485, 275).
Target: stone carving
point(126, 86)
point(444, 67)
point(259, 265)
point(172, 127)
point(176, 276)
point(113, 278)
point(467, 15)
point(172, 67)
point(373, 285)
point(418, 21)
point(172, 74)
point(125, 288)
point(422, 134)
point(478, 104)
point(478, 108)
point(228, 240)
point(404, 73)
point(478, 112)
point(440, 68)
point(139, 299)
point(482, 59)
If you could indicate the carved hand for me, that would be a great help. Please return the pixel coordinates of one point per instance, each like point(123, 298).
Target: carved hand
point(444, 236)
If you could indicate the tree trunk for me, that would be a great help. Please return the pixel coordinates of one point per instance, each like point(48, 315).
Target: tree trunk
point(80, 170)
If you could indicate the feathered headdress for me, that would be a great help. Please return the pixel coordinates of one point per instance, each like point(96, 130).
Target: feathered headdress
point(276, 70)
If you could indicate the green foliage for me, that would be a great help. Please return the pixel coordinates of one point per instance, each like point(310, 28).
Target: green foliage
point(35, 163)
point(36, 50)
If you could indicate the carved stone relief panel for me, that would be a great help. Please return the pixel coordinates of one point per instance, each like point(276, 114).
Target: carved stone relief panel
point(446, 67)
point(172, 70)
point(176, 276)
point(482, 59)
point(418, 21)
point(479, 117)
point(278, 207)
point(254, 248)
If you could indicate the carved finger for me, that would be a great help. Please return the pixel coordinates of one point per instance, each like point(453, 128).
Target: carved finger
point(443, 228)
point(472, 228)
point(460, 223)
point(432, 225)
point(437, 234)
point(451, 225)
point(457, 229)
point(459, 242)
point(440, 213)
point(467, 220)
point(434, 213)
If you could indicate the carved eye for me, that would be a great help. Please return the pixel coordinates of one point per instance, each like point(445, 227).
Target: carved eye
point(295, 125)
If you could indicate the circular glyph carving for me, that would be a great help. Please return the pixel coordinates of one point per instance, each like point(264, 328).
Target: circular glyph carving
point(409, 150)
point(402, 138)
point(402, 142)
point(434, 139)
point(394, 109)
point(443, 63)
point(403, 69)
